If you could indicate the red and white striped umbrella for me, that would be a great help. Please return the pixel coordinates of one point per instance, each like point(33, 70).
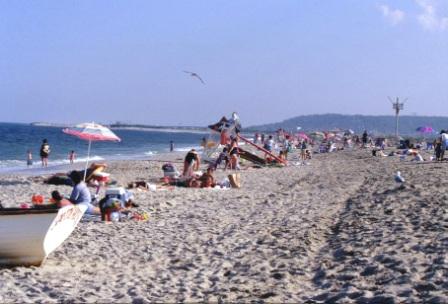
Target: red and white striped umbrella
point(92, 132)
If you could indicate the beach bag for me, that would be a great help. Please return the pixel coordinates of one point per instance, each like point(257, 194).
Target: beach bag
point(169, 170)
point(37, 199)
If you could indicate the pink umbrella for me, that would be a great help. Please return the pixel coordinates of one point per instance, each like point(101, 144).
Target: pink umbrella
point(91, 132)
point(303, 136)
point(425, 129)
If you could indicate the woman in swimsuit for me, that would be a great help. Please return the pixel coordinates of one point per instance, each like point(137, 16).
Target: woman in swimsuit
point(191, 162)
point(44, 152)
point(234, 154)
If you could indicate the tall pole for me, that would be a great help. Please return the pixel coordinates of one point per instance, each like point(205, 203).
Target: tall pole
point(397, 106)
point(87, 162)
point(397, 112)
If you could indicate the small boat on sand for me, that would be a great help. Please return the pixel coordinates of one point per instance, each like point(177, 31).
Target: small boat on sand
point(28, 236)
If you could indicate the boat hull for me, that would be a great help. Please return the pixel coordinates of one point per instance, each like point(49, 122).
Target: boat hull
point(27, 237)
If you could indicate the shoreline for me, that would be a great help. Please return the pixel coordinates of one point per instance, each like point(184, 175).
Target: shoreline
point(36, 169)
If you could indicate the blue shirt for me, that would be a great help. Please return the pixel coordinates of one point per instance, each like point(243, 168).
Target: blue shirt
point(80, 194)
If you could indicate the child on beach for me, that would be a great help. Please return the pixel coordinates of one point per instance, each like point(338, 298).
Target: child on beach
point(59, 199)
point(72, 156)
point(29, 159)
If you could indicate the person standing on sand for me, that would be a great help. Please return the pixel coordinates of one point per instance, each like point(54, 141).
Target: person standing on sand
point(364, 139)
point(171, 146)
point(44, 152)
point(269, 144)
point(303, 149)
point(437, 148)
point(444, 143)
point(72, 156)
point(234, 154)
point(29, 159)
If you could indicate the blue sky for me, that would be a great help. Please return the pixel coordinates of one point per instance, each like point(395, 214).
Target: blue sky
point(107, 61)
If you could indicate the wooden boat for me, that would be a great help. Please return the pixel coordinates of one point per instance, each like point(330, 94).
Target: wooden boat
point(28, 236)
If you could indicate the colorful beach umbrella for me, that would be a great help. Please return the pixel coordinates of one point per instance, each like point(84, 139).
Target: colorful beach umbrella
point(303, 136)
point(425, 129)
point(91, 132)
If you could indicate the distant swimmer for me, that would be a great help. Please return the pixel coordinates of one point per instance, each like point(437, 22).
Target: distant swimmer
point(192, 74)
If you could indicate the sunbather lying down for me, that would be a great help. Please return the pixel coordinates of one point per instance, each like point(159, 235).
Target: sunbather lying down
point(64, 178)
point(206, 180)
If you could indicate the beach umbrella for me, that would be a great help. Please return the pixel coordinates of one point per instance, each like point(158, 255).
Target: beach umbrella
point(425, 129)
point(349, 132)
point(303, 136)
point(329, 135)
point(317, 135)
point(91, 132)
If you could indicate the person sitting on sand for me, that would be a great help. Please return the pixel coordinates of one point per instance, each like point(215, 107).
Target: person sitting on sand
point(81, 194)
point(59, 200)
point(281, 155)
point(207, 179)
point(308, 154)
point(223, 156)
point(191, 163)
point(417, 157)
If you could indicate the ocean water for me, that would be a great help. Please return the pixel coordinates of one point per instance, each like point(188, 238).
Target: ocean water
point(17, 139)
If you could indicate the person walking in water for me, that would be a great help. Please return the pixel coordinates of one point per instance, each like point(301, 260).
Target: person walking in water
point(72, 156)
point(171, 146)
point(44, 152)
point(29, 158)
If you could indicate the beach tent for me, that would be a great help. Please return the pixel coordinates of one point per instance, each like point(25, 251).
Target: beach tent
point(91, 132)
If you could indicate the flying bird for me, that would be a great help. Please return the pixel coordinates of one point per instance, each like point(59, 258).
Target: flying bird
point(193, 74)
point(398, 178)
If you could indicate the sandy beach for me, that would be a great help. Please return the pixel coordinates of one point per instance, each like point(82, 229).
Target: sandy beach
point(338, 230)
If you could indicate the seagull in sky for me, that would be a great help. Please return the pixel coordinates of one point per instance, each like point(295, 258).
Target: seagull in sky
point(193, 74)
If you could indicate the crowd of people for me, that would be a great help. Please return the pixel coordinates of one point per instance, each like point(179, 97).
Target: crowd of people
point(44, 153)
point(281, 145)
